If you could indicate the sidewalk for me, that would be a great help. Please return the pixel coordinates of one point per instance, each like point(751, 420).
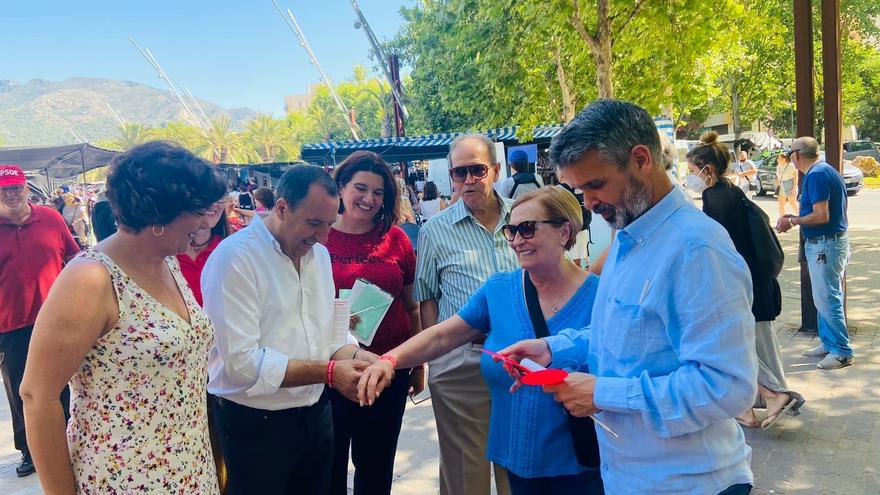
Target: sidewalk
point(833, 447)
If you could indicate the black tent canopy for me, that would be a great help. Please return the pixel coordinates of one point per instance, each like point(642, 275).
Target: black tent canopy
point(58, 162)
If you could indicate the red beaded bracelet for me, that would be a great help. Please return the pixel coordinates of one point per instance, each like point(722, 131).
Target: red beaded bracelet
point(390, 359)
point(330, 365)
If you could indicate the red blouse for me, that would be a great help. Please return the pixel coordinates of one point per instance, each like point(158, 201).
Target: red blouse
point(192, 268)
point(387, 261)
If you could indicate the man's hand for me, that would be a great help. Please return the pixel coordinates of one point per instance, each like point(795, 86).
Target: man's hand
point(784, 224)
point(417, 381)
point(535, 349)
point(346, 373)
point(374, 379)
point(576, 394)
point(365, 355)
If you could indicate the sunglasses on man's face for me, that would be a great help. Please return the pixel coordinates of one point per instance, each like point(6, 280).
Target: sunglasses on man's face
point(791, 152)
point(526, 229)
point(459, 174)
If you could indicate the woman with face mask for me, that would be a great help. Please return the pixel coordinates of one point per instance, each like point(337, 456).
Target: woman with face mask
point(708, 163)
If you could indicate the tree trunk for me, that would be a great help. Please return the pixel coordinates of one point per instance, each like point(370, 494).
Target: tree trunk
point(734, 109)
point(602, 52)
point(568, 103)
point(600, 44)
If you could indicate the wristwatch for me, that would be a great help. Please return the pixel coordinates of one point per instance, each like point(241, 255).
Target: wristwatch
point(791, 221)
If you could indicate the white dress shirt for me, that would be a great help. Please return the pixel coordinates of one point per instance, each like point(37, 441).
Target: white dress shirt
point(265, 313)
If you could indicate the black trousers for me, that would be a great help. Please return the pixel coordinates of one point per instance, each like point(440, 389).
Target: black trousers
point(740, 489)
point(372, 433)
point(276, 452)
point(13, 357)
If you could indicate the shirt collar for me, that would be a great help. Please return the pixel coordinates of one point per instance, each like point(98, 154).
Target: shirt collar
point(35, 216)
point(461, 210)
point(263, 234)
point(643, 227)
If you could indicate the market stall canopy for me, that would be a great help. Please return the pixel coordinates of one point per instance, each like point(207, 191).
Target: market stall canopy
point(394, 149)
point(58, 162)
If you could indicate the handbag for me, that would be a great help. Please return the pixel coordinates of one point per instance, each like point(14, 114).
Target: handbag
point(583, 432)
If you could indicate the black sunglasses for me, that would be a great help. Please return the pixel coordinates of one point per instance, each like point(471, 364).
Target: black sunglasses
point(459, 174)
point(791, 152)
point(526, 229)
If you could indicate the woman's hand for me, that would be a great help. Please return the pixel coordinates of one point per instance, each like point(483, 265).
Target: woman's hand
point(417, 381)
point(374, 379)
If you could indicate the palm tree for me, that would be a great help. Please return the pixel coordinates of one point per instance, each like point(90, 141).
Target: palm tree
point(131, 134)
point(267, 136)
point(221, 139)
point(382, 95)
point(186, 135)
point(325, 119)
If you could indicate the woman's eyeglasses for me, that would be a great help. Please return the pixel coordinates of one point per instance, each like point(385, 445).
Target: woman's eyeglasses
point(526, 229)
point(459, 174)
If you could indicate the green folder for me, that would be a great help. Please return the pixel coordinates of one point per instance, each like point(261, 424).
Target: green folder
point(370, 303)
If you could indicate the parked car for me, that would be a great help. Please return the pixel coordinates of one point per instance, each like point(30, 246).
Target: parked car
point(853, 149)
point(852, 177)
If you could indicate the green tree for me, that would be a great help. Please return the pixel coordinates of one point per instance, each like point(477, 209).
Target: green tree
point(183, 134)
point(221, 139)
point(131, 134)
point(267, 136)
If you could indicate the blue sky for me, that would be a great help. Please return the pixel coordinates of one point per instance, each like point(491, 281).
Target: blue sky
point(232, 52)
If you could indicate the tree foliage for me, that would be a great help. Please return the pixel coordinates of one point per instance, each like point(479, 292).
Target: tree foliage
point(490, 63)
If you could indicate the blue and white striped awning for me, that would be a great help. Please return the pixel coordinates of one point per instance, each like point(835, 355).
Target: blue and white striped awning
point(442, 139)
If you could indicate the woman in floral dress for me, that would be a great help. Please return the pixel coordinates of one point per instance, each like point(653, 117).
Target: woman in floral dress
point(121, 325)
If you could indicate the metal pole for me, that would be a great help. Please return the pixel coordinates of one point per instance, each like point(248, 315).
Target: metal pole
point(291, 22)
point(389, 72)
point(806, 126)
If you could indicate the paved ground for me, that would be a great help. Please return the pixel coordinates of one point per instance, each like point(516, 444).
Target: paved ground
point(833, 447)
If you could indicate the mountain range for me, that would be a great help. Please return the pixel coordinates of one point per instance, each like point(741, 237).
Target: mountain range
point(41, 112)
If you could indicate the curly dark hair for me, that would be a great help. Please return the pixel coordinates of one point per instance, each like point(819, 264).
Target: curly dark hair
point(367, 161)
point(156, 182)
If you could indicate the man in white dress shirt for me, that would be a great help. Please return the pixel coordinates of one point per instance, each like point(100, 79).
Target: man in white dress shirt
point(269, 292)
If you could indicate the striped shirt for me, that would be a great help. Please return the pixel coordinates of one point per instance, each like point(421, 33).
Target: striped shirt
point(457, 255)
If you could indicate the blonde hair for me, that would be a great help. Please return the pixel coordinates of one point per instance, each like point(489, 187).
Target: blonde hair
point(560, 205)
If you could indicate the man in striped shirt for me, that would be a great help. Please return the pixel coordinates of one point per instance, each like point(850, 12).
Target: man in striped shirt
point(459, 248)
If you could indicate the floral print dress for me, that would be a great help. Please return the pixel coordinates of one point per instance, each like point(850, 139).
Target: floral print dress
point(138, 411)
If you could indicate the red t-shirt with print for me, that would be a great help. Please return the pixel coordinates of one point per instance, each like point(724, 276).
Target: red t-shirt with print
point(387, 261)
point(31, 257)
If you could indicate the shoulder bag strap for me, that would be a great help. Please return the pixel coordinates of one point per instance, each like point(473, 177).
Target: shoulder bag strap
point(539, 324)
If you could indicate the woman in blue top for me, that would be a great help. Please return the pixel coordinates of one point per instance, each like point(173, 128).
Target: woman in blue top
point(528, 429)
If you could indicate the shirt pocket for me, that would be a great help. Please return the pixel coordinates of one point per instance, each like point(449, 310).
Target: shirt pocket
point(633, 332)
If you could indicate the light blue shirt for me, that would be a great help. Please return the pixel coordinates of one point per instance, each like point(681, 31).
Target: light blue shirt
point(528, 429)
point(672, 342)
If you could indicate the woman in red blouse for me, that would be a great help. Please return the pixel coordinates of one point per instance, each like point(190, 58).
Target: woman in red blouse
point(365, 242)
point(191, 263)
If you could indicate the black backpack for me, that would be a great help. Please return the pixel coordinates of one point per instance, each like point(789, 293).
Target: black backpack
point(766, 257)
point(523, 178)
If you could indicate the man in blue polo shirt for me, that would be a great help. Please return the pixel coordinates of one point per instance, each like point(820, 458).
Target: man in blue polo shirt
point(823, 223)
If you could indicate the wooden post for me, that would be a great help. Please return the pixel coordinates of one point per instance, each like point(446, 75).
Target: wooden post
point(831, 83)
point(806, 126)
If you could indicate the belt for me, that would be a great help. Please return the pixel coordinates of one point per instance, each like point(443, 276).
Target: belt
point(828, 237)
point(228, 404)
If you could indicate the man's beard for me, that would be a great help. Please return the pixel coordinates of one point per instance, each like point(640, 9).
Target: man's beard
point(636, 200)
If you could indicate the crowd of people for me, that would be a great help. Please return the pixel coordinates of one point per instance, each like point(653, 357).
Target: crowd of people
point(210, 349)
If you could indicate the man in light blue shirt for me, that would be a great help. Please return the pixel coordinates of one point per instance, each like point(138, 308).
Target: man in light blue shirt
point(671, 344)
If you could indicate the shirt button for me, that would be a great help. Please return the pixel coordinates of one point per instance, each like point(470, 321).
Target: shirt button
point(623, 258)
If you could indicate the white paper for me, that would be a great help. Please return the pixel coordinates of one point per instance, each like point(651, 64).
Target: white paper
point(341, 317)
